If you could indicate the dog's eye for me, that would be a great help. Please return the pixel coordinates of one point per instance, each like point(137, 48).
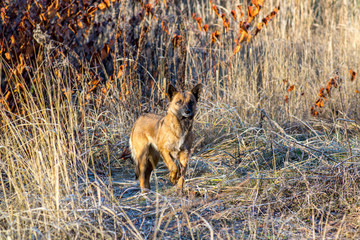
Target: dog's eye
point(179, 102)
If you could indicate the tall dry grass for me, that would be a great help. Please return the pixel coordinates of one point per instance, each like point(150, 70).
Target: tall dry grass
point(262, 168)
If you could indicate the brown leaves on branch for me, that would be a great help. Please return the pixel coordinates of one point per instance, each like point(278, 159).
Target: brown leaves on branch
point(320, 103)
point(246, 30)
point(289, 88)
point(215, 36)
point(68, 23)
point(233, 14)
point(236, 48)
point(313, 111)
point(150, 10)
point(164, 27)
point(352, 74)
point(225, 22)
point(206, 27)
point(321, 93)
point(269, 17)
point(177, 39)
point(325, 93)
point(215, 8)
point(286, 99)
point(245, 26)
point(259, 26)
point(56, 24)
point(198, 20)
point(3, 15)
point(102, 6)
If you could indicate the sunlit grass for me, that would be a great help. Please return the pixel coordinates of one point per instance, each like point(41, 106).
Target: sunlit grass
point(262, 168)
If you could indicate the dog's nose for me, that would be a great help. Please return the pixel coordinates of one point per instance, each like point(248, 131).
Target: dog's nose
point(187, 111)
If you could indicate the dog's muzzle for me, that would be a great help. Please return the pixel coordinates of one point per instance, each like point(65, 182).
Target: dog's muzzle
point(187, 113)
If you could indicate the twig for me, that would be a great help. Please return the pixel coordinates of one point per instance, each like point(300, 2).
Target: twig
point(337, 165)
point(345, 124)
point(272, 123)
point(345, 120)
point(207, 224)
point(307, 147)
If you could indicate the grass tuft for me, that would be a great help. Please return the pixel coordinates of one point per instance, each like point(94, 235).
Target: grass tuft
point(262, 167)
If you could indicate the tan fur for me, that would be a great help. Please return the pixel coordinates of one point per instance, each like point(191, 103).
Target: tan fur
point(167, 137)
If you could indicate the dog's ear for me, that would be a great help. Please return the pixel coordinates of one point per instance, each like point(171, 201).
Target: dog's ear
point(196, 91)
point(171, 91)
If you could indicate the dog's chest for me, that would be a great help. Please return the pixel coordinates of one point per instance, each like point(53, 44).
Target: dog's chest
point(181, 141)
point(177, 143)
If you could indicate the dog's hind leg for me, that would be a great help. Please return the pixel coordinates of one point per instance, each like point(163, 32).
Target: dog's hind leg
point(152, 161)
point(147, 173)
point(137, 171)
point(141, 168)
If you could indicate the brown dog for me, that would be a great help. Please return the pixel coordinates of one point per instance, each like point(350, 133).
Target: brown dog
point(168, 137)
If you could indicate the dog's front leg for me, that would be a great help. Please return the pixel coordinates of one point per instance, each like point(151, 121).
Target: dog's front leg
point(183, 158)
point(170, 164)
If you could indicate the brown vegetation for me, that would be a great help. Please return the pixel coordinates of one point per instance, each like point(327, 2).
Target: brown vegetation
point(277, 143)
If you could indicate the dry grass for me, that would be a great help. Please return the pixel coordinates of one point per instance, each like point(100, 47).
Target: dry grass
point(261, 168)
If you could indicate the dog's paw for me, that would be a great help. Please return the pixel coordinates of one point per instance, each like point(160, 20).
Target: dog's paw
point(180, 183)
point(174, 177)
point(173, 180)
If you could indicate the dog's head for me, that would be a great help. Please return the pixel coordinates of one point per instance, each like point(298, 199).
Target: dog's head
point(183, 104)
